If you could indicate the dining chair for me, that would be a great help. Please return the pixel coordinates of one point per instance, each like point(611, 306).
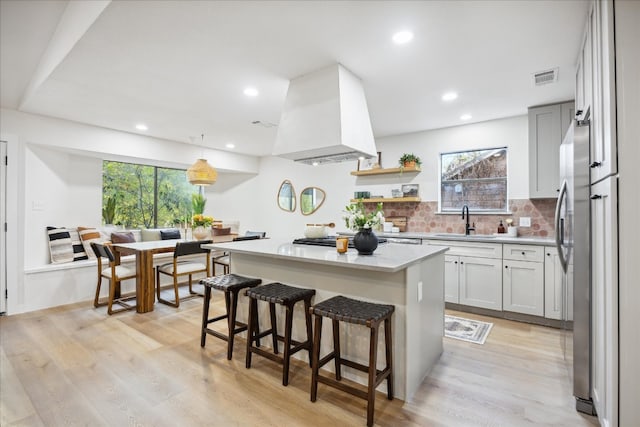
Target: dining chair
point(115, 274)
point(184, 267)
point(222, 258)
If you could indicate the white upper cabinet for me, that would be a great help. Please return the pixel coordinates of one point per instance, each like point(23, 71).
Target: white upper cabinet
point(595, 88)
point(547, 127)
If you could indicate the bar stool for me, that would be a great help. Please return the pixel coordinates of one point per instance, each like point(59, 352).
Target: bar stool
point(288, 296)
point(349, 310)
point(231, 285)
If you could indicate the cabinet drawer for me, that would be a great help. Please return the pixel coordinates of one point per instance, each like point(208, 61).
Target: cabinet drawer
point(523, 252)
point(477, 249)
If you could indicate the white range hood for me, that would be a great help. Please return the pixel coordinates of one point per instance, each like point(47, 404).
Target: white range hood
point(325, 119)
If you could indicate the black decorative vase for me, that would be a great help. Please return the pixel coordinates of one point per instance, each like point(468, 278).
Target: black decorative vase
point(365, 241)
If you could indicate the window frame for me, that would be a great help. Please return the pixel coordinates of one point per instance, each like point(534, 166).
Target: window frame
point(156, 192)
point(475, 210)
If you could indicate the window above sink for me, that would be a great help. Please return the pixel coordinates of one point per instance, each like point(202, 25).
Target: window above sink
point(476, 178)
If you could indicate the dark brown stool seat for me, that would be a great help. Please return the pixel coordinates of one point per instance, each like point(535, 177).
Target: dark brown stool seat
point(288, 296)
point(343, 309)
point(231, 285)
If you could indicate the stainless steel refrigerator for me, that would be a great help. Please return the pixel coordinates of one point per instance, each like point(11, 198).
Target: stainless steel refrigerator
point(572, 225)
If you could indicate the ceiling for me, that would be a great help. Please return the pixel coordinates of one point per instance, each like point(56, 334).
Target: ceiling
point(180, 67)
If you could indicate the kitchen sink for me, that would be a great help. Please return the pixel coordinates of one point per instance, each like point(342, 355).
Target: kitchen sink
point(462, 236)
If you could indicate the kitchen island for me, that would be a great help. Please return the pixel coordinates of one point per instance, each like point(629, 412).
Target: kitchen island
point(411, 277)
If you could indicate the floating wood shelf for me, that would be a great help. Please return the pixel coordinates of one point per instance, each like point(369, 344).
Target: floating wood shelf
point(388, 199)
point(386, 171)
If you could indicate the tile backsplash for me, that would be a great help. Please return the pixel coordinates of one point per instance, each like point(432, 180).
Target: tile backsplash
point(422, 217)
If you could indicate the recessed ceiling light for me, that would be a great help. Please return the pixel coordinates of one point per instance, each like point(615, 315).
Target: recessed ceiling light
point(315, 164)
point(449, 96)
point(251, 91)
point(402, 37)
point(230, 145)
point(465, 117)
point(141, 126)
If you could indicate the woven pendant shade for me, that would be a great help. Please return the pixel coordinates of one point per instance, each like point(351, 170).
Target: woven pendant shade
point(201, 173)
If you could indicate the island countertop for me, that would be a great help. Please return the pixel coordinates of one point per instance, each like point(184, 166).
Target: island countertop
point(388, 257)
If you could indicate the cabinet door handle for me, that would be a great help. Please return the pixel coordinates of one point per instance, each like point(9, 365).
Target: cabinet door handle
point(578, 113)
point(506, 266)
point(595, 165)
point(523, 253)
point(596, 197)
point(455, 262)
point(461, 262)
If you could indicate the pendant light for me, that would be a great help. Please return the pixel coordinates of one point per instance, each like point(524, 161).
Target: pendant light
point(201, 172)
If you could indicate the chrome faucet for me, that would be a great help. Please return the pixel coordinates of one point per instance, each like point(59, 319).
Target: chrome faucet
point(467, 228)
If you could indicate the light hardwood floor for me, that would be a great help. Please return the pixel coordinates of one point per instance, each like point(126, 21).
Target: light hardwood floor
point(75, 365)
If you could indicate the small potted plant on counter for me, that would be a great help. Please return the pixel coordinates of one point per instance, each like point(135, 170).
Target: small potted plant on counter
point(409, 161)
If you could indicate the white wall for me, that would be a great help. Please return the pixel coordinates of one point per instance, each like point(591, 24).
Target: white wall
point(254, 201)
point(64, 190)
point(510, 132)
point(115, 145)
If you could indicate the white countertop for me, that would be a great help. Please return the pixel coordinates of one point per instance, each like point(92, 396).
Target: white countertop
point(387, 257)
point(493, 238)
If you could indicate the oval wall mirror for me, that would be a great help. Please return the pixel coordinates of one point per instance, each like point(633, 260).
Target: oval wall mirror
point(287, 196)
point(311, 198)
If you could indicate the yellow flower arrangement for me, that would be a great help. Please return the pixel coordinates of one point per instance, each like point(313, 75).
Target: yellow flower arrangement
point(200, 220)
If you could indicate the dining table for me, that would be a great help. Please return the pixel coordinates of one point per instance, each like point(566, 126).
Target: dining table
point(144, 253)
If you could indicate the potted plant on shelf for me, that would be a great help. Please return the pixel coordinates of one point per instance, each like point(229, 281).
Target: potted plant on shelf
point(409, 161)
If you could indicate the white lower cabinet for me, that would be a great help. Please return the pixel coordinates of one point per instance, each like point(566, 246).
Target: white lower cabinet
point(523, 279)
point(523, 287)
point(519, 278)
point(451, 279)
point(480, 282)
point(472, 273)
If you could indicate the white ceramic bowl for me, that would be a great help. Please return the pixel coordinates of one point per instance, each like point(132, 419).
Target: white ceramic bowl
point(315, 231)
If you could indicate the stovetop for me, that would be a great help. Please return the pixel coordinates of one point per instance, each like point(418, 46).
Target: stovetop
point(327, 241)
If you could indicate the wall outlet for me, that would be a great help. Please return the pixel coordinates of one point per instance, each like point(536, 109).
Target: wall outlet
point(525, 221)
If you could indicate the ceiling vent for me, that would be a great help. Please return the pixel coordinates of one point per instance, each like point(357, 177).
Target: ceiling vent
point(546, 77)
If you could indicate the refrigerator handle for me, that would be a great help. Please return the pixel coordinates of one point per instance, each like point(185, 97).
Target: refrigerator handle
point(559, 225)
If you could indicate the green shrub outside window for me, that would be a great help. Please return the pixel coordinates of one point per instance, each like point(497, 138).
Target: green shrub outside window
point(146, 196)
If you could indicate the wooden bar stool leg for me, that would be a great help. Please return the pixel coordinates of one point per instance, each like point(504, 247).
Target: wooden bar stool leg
point(274, 326)
point(287, 344)
point(307, 316)
point(389, 354)
point(371, 387)
point(317, 335)
point(231, 320)
point(336, 349)
point(253, 314)
point(205, 315)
